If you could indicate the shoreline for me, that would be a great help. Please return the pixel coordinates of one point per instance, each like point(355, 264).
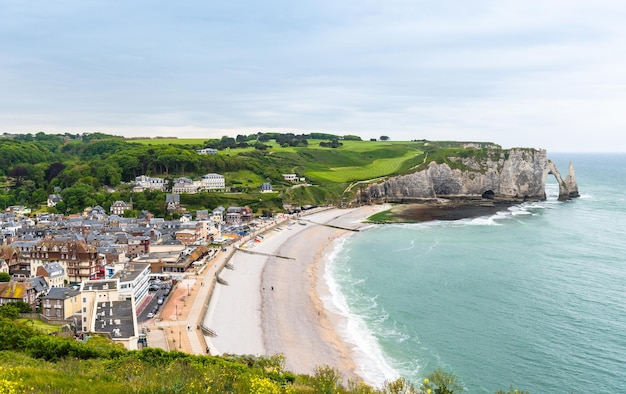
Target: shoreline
point(275, 305)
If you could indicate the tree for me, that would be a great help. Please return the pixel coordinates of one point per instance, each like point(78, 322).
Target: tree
point(384, 138)
point(4, 277)
point(18, 173)
point(10, 311)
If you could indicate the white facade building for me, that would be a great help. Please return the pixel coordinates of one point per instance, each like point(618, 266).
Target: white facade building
point(213, 182)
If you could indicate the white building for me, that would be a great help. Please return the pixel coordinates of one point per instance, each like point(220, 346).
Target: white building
point(149, 183)
point(133, 281)
point(184, 185)
point(213, 182)
point(290, 177)
point(207, 151)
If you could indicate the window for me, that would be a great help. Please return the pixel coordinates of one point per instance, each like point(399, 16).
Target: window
point(58, 313)
point(84, 299)
point(84, 310)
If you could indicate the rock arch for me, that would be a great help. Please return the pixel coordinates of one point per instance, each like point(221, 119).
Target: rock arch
point(568, 187)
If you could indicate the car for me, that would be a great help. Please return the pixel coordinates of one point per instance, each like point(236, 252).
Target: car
point(150, 315)
point(160, 301)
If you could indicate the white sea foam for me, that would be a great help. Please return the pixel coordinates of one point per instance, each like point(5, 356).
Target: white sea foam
point(371, 362)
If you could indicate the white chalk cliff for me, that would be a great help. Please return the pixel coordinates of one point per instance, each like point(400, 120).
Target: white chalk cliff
point(517, 174)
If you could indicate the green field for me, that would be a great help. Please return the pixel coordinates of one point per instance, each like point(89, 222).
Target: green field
point(377, 168)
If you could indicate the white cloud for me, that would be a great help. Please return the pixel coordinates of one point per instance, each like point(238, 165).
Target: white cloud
point(546, 74)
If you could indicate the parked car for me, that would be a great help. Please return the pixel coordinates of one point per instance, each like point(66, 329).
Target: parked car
point(160, 301)
point(150, 315)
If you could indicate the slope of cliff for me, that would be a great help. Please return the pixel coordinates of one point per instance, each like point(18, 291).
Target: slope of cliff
point(517, 174)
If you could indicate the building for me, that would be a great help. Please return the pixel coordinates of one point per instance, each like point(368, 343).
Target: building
point(144, 182)
point(9, 257)
point(290, 177)
point(104, 313)
point(218, 215)
point(53, 273)
point(207, 151)
point(80, 260)
point(119, 207)
point(184, 185)
point(173, 202)
point(14, 291)
point(54, 199)
point(266, 187)
point(212, 182)
point(61, 303)
point(187, 236)
point(133, 282)
point(238, 215)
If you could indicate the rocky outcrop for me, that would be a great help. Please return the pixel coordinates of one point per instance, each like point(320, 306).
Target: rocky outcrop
point(514, 175)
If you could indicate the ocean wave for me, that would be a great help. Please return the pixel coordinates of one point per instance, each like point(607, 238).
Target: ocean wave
point(372, 363)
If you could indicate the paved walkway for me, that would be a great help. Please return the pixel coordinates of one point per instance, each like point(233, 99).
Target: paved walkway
point(177, 325)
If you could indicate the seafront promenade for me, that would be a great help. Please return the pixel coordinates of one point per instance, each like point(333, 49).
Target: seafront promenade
point(178, 324)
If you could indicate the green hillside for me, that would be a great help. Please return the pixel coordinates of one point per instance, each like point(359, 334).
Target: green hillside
point(97, 169)
point(32, 361)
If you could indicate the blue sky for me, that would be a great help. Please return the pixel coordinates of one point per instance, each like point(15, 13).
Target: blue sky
point(546, 74)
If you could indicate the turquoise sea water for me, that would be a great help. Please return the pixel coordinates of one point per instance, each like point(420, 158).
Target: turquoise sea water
point(533, 297)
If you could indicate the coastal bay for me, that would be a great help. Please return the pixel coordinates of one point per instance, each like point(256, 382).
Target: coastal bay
point(273, 305)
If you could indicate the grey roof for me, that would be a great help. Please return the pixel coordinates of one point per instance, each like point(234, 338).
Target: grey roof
point(54, 269)
point(131, 272)
point(92, 285)
point(61, 293)
point(38, 283)
point(116, 318)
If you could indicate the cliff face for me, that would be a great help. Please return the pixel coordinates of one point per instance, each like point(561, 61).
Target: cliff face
point(516, 174)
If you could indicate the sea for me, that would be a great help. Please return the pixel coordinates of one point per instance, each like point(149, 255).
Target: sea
point(533, 297)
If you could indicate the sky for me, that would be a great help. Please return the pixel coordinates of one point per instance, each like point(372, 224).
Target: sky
point(546, 74)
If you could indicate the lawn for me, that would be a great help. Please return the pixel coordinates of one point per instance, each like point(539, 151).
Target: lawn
point(374, 169)
point(42, 326)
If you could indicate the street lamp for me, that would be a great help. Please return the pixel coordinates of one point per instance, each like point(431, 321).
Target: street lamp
point(188, 293)
point(180, 340)
point(176, 311)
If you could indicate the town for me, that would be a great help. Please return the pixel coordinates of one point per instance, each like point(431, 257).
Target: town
point(100, 272)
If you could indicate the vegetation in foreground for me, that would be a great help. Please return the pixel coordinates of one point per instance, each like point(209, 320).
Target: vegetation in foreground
point(33, 361)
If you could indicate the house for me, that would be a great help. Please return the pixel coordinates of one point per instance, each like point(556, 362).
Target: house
point(184, 185)
point(290, 178)
point(80, 260)
point(119, 207)
point(9, 257)
point(238, 215)
point(61, 303)
point(14, 291)
point(53, 273)
point(187, 236)
point(212, 182)
point(54, 199)
point(207, 151)
point(266, 187)
point(144, 182)
point(173, 202)
point(218, 214)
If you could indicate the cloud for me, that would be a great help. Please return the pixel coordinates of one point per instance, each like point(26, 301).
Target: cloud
point(545, 74)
